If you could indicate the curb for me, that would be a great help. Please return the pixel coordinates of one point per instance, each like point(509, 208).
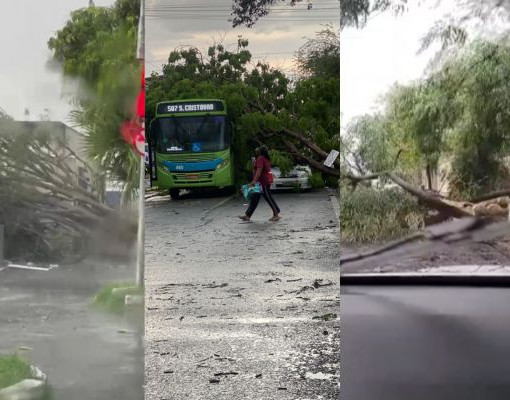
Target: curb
point(132, 300)
point(34, 388)
point(336, 206)
point(129, 299)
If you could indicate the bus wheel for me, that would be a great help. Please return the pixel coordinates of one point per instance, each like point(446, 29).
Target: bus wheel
point(174, 194)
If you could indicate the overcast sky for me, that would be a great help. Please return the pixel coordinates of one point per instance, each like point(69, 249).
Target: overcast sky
point(172, 23)
point(384, 52)
point(372, 58)
point(25, 82)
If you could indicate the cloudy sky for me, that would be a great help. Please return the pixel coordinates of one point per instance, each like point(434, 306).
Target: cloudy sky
point(172, 23)
point(372, 58)
point(384, 52)
point(25, 82)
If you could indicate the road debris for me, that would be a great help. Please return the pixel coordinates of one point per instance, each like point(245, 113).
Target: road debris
point(326, 317)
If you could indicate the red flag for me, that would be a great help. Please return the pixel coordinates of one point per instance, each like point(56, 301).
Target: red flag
point(132, 131)
point(140, 104)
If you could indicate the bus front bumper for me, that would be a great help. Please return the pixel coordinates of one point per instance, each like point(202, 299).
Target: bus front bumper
point(201, 179)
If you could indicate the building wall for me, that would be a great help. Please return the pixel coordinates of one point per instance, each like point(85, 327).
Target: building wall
point(57, 132)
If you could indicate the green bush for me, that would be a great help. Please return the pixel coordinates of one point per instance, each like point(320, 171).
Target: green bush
point(281, 160)
point(369, 215)
point(114, 302)
point(331, 181)
point(316, 181)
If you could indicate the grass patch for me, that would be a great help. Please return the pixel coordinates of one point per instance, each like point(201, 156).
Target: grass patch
point(13, 369)
point(369, 216)
point(110, 301)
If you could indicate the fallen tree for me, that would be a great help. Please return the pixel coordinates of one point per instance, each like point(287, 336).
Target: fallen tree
point(299, 119)
point(49, 210)
point(495, 204)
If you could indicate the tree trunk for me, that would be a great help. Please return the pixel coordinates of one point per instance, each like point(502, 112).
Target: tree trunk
point(446, 208)
point(428, 171)
point(313, 163)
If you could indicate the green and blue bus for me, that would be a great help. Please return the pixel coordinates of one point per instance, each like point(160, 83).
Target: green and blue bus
point(190, 146)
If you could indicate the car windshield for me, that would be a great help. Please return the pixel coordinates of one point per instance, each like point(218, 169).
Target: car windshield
point(425, 169)
point(190, 134)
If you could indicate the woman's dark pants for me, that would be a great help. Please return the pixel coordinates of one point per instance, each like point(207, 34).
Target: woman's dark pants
point(255, 198)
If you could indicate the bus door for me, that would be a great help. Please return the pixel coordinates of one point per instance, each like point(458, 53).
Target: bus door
point(152, 142)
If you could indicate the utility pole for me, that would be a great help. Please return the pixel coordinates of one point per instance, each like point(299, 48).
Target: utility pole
point(140, 261)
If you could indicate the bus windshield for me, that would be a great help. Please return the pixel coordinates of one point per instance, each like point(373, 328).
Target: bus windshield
point(190, 134)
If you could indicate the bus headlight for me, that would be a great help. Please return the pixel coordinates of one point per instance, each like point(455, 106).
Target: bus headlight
point(223, 164)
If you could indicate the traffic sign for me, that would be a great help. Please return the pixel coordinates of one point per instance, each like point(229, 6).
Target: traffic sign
point(331, 158)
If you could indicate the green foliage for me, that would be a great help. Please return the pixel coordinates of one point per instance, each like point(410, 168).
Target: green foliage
point(261, 102)
point(316, 181)
point(331, 181)
point(368, 215)
point(459, 114)
point(97, 47)
point(13, 369)
point(368, 147)
point(282, 161)
point(479, 136)
point(320, 56)
point(248, 12)
point(107, 300)
point(354, 13)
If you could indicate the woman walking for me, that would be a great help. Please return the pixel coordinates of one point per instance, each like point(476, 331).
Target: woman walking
point(262, 173)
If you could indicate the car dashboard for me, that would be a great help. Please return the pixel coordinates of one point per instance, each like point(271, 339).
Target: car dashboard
point(430, 342)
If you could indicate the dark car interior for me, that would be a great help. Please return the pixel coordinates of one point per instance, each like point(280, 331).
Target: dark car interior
point(425, 340)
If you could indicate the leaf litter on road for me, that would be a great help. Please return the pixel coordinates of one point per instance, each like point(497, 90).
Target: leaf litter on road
point(326, 317)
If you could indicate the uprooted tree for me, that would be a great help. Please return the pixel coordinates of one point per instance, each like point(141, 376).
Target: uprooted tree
point(298, 120)
point(443, 139)
point(49, 209)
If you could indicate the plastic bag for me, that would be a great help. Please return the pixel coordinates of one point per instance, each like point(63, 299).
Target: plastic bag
point(247, 190)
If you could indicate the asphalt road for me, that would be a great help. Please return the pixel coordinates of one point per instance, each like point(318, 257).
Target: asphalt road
point(233, 308)
point(87, 355)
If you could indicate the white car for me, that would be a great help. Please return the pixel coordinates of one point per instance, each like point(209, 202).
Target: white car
point(297, 178)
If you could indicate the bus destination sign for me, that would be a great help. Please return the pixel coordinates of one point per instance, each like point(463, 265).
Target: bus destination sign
point(198, 106)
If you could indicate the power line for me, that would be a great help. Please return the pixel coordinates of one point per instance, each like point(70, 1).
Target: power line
point(208, 8)
point(209, 4)
point(215, 12)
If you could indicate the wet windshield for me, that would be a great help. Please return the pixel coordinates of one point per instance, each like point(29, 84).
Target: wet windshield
point(190, 134)
point(425, 146)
